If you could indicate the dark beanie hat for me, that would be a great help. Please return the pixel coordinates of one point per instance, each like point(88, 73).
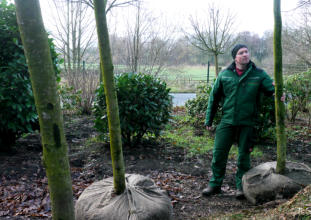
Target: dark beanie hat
point(236, 49)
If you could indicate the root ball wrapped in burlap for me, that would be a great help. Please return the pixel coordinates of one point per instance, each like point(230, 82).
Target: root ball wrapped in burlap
point(142, 200)
point(262, 184)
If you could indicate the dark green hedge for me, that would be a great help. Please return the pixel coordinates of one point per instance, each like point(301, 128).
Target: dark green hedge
point(144, 106)
point(18, 114)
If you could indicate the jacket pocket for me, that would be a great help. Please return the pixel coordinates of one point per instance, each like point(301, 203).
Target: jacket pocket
point(228, 84)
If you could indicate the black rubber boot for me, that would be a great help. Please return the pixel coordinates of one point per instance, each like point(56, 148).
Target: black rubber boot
point(211, 191)
point(239, 194)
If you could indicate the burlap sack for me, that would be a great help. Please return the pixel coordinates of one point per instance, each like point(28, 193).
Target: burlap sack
point(262, 183)
point(142, 200)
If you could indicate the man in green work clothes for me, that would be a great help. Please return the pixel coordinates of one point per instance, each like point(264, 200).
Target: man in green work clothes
point(237, 88)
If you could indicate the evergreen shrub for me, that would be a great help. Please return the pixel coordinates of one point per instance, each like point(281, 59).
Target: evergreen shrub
point(144, 106)
point(18, 114)
point(298, 94)
point(196, 108)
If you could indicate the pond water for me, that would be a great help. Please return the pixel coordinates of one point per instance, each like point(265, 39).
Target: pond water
point(179, 99)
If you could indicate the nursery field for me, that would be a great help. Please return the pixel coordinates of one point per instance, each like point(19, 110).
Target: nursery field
point(178, 162)
point(186, 78)
point(179, 79)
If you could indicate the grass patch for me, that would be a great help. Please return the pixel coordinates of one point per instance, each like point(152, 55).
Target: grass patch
point(181, 134)
point(186, 78)
point(95, 140)
point(178, 78)
point(256, 153)
point(194, 72)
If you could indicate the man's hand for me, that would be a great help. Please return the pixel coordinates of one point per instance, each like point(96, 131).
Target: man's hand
point(283, 96)
point(209, 128)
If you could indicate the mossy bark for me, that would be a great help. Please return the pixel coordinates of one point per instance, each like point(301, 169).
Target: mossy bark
point(111, 97)
point(47, 102)
point(278, 77)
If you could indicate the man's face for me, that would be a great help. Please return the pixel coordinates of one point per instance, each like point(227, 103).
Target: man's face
point(242, 56)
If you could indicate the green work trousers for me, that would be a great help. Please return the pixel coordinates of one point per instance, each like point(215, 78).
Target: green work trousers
point(226, 134)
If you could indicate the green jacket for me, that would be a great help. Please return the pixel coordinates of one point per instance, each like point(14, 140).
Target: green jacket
point(238, 95)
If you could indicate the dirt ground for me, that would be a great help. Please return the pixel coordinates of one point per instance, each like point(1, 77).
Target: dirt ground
point(23, 185)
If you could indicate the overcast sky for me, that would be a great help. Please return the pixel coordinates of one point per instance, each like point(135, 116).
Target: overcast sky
point(251, 15)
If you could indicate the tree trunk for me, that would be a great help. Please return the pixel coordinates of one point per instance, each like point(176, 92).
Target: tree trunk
point(74, 23)
point(79, 39)
point(111, 97)
point(279, 105)
point(68, 38)
point(216, 65)
point(137, 39)
point(44, 86)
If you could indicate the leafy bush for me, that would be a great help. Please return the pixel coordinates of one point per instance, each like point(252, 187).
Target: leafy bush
point(298, 94)
point(196, 108)
point(265, 119)
point(144, 106)
point(18, 114)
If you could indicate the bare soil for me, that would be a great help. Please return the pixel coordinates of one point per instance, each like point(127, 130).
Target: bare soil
point(23, 185)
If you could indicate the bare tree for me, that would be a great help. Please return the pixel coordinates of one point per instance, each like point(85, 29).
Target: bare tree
point(214, 35)
point(111, 4)
point(302, 3)
point(75, 33)
point(75, 37)
point(155, 54)
point(75, 30)
point(297, 43)
point(134, 40)
point(297, 36)
point(148, 43)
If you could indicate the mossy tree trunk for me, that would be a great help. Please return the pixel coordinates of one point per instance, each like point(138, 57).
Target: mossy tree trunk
point(47, 102)
point(111, 97)
point(278, 77)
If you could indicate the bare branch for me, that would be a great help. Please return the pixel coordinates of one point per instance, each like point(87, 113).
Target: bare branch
point(110, 4)
point(215, 37)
